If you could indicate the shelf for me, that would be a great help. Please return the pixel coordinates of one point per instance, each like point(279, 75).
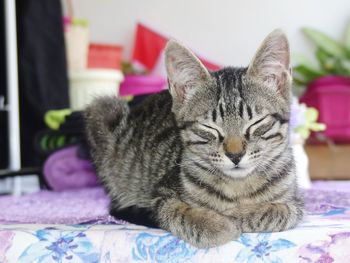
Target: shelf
point(22, 172)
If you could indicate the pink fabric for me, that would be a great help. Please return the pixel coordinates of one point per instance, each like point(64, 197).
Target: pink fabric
point(141, 84)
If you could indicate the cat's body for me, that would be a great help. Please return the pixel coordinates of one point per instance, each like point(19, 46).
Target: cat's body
point(206, 161)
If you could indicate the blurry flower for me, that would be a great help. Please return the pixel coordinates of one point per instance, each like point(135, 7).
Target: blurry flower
point(303, 120)
point(56, 246)
point(297, 114)
point(330, 250)
point(164, 248)
point(261, 248)
point(6, 238)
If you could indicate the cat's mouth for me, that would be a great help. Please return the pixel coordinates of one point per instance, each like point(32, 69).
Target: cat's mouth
point(238, 168)
point(237, 171)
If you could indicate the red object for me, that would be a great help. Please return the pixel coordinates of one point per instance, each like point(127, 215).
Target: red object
point(104, 56)
point(149, 46)
point(141, 84)
point(331, 96)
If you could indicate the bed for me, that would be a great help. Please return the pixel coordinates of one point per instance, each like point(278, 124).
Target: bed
point(74, 226)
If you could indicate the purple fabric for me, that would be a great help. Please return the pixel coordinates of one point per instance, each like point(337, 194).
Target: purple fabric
point(91, 205)
point(64, 170)
point(340, 186)
point(49, 207)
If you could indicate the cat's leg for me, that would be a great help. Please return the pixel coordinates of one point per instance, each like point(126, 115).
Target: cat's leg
point(268, 217)
point(201, 227)
point(135, 215)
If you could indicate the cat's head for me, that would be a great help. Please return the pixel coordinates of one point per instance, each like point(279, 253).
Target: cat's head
point(234, 121)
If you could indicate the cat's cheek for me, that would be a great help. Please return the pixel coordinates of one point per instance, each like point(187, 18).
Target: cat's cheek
point(249, 161)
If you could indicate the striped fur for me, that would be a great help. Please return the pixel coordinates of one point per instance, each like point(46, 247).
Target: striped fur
point(208, 159)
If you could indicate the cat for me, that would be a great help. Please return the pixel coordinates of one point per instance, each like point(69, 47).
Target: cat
point(207, 159)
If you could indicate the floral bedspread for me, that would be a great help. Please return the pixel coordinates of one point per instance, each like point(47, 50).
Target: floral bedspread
point(324, 236)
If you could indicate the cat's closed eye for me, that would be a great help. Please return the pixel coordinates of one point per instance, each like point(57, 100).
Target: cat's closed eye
point(208, 136)
point(252, 127)
point(219, 134)
point(199, 136)
point(267, 127)
point(263, 129)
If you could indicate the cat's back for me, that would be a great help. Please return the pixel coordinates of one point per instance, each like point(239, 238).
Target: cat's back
point(152, 120)
point(155, 106)
point(150, 125)
point(146, 149)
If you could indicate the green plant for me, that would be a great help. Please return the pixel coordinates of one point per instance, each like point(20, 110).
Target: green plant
point(333, 57)
point(129, 69)
point(310, 124)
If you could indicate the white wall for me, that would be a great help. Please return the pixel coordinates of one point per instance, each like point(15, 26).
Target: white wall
point(225, 31)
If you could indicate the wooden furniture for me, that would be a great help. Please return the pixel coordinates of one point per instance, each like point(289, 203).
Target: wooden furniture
point(329, 161)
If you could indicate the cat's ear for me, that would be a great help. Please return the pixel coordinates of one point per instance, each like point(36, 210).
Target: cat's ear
point(186, 74)
point(271, 63)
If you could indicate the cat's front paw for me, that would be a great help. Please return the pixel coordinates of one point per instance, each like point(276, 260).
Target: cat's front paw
point(201, 227)
point(210, 229)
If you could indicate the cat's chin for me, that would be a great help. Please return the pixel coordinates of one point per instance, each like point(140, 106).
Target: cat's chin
point(237, 172)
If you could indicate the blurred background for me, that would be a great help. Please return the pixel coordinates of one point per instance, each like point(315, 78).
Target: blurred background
point(227, 32)
point(57, 55)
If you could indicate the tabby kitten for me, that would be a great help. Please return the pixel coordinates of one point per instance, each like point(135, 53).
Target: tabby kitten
point(208, 159)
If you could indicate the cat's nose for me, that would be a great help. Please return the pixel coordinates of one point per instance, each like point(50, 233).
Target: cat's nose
point(235, 157)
